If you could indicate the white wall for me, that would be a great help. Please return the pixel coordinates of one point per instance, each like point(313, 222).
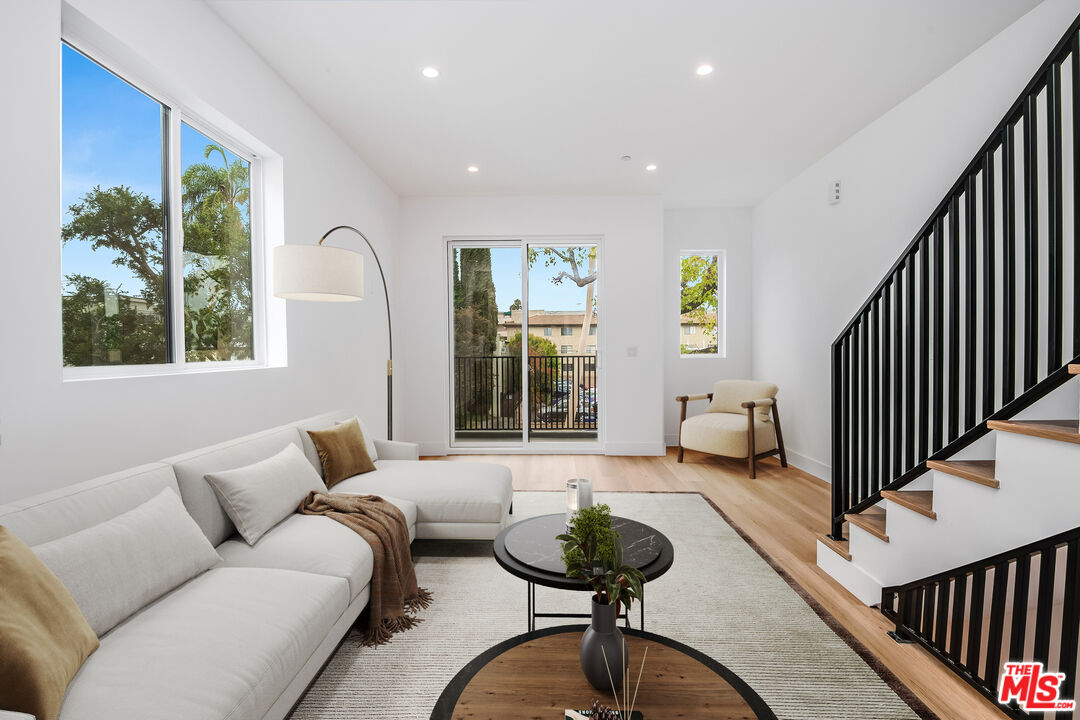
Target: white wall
point(814, 264)
point(631, 305)
point(54, 432)
point(723, 229)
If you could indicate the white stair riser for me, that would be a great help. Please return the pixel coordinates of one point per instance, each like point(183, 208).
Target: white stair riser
point(858, 583)
point(1039, 496)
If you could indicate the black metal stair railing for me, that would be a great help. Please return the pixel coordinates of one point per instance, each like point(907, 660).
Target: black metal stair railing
point(1021, 605)
point(980, 315)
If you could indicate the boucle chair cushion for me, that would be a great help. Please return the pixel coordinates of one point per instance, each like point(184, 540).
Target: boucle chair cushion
point(729, 395)
point(725, 434)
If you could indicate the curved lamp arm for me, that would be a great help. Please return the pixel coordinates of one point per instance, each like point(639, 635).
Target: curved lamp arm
point(386, 291)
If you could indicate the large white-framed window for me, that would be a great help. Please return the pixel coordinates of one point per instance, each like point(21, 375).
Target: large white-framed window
point(163, 251)
point(702, 303)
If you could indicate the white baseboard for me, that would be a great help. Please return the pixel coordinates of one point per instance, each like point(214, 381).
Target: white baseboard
point(631, 448)
point(810, 465)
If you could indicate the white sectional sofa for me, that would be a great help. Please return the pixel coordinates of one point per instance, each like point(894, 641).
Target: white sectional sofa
point(243, 640)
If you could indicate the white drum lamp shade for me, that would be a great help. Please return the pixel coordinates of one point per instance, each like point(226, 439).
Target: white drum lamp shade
point(318, 272)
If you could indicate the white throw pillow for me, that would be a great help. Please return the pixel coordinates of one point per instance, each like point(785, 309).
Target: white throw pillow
point(257, 497)
point(121, 565)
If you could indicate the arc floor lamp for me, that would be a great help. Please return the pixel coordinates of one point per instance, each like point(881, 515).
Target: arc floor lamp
point(324, 273)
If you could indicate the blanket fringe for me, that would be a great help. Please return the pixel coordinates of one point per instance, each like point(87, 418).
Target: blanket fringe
point(421, 601)
point(380, 633)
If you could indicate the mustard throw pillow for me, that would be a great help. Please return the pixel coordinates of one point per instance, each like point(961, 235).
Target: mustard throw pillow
point(44, 638)
point(342, 451)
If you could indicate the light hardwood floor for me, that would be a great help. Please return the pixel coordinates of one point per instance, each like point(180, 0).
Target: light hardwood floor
point(783, 510)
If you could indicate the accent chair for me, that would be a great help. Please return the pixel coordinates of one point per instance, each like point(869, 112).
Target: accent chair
point(736, 423)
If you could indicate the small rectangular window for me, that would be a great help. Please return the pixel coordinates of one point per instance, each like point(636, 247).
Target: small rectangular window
point(566, 331)
point(701, 303)
point(592, 330)
point(547, 332)
point(566, 349)
point(590, 349)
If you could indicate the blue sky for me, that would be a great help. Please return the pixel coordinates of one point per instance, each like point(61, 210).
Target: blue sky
point(506, 271)
point(112, 135)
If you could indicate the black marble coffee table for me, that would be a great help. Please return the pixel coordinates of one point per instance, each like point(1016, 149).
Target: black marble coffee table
point(529, 550)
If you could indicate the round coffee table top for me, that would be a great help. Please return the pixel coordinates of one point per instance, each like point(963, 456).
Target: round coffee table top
point(529, 550)
point(538, 675)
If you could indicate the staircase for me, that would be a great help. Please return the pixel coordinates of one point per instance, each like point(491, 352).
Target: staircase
point(949, 383)
point(997, 495)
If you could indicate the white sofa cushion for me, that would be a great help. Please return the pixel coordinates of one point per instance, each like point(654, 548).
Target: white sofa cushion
point(443, 491)
point(121, 565)
point(191, 470)
point(257, 497)
point(313, 543)
point(223, 646)
point(725, 434)
point(41, 518)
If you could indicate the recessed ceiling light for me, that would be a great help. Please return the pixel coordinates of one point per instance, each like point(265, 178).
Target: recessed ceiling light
point(651, 167)
point(473, 169)
point(704, 69)
point(430, 72)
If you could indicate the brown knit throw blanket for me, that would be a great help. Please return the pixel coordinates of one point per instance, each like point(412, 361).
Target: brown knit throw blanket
point(393, 583)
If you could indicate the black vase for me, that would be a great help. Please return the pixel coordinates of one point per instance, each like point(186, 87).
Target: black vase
point(603, 639)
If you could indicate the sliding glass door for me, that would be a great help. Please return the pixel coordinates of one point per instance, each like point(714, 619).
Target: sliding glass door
point(525, 329)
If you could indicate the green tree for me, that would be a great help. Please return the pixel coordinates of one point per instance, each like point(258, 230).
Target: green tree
point(217, 254)
point(537, 345)
point(103, 327)
point(217, 273)
point(698, 294)
point(476, 314)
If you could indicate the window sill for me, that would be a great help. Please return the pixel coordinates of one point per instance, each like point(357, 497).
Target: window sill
point(126, 372)
point(700, 356)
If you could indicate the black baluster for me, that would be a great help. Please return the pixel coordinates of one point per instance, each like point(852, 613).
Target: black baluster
point(898, 377)
point(989, 307)
point(957, 622)
point(910, 320)
point(924, 348)
point(1031, 243)
point(997, 623)
point(971, 315)
point(1008, 265)
point(1044, 608)
point(975, 623)
point(937, 417)
point(1021, 583)
point(1055, 218)
point(875, 400)
point(954, 320)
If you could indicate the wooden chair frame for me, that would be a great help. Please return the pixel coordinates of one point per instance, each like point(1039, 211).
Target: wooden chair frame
point(751, 456)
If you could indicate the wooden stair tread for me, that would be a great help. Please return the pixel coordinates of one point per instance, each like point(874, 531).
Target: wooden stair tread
point(840, 547)
point(1063, 430)
point(1074, 368)
point(977, 471)
point(921, 501)
point(872, 520)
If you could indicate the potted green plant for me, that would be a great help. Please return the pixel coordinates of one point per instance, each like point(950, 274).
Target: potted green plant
point(592, 551)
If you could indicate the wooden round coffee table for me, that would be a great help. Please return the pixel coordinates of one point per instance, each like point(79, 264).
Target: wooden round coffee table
point(537, 675)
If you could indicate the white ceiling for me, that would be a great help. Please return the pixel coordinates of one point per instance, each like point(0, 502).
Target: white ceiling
point(546, 95)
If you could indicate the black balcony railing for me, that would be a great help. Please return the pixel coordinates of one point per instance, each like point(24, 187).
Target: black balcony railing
point(488, 396)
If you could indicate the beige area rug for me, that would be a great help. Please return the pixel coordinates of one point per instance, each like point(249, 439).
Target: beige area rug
point(720, 596)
